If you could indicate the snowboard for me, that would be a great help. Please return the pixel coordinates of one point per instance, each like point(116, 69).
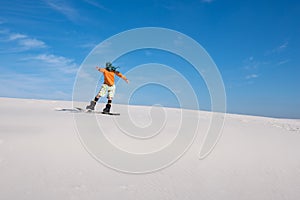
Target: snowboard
point(97, 112)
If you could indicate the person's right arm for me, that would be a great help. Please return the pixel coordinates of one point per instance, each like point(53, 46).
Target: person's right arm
point(100, 69)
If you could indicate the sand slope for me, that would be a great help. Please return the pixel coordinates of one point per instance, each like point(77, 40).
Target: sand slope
point(41, 157)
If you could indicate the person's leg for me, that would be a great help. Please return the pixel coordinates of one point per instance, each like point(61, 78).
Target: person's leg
point(91, 106)
point(110, 95)
point(93, 102)
point(108, 106)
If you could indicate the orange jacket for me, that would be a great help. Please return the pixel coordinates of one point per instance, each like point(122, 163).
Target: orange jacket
point(109, 76)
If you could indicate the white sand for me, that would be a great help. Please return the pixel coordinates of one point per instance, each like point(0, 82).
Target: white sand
point(41, 157)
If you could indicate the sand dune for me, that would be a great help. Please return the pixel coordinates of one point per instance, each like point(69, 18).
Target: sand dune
point(42, 156)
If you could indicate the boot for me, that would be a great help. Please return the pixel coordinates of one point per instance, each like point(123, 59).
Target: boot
point(107, 108)
point(91, 106)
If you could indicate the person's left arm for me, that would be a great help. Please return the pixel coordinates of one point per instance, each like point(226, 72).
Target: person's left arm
point(122, 76)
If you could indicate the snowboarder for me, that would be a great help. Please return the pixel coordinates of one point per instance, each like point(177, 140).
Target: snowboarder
point(108, 86)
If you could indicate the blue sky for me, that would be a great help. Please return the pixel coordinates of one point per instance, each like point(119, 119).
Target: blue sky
point(254, 43)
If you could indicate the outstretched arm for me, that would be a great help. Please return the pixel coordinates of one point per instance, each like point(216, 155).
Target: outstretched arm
point(122, 77)
point(100, 69)
point(125, 79)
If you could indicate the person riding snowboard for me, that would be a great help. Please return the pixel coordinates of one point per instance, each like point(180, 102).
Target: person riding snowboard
point(108, 86)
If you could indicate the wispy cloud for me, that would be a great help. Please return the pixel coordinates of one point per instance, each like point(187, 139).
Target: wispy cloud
point(283, 62)
point(283, 46)
point(21, 42)
point(31, 43)
point(66, 65)
point(89, 45)
point(252, 76)
point(96, 4)
point(250, 71)
point(50, 76)
point(53, 59)
point(64, 8)
point(16, 36)
point(250, 63)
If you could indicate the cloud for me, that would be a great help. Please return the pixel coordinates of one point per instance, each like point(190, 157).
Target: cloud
point(278, 49)
point(89, 45)
point(251, 69)
point(53, 59)
point(30, 43)
point(251, 64)
point(16, 36)
point(24, 42)
point(65, 65)
point(64, 8)
point(41, 74)
point(96, 4)
point(283, 62)
point(252, 76)
point(50, 76)
point(283, 46)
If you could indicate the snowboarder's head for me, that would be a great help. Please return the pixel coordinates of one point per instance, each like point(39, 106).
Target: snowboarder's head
point(109, 67)
point(108, 64)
